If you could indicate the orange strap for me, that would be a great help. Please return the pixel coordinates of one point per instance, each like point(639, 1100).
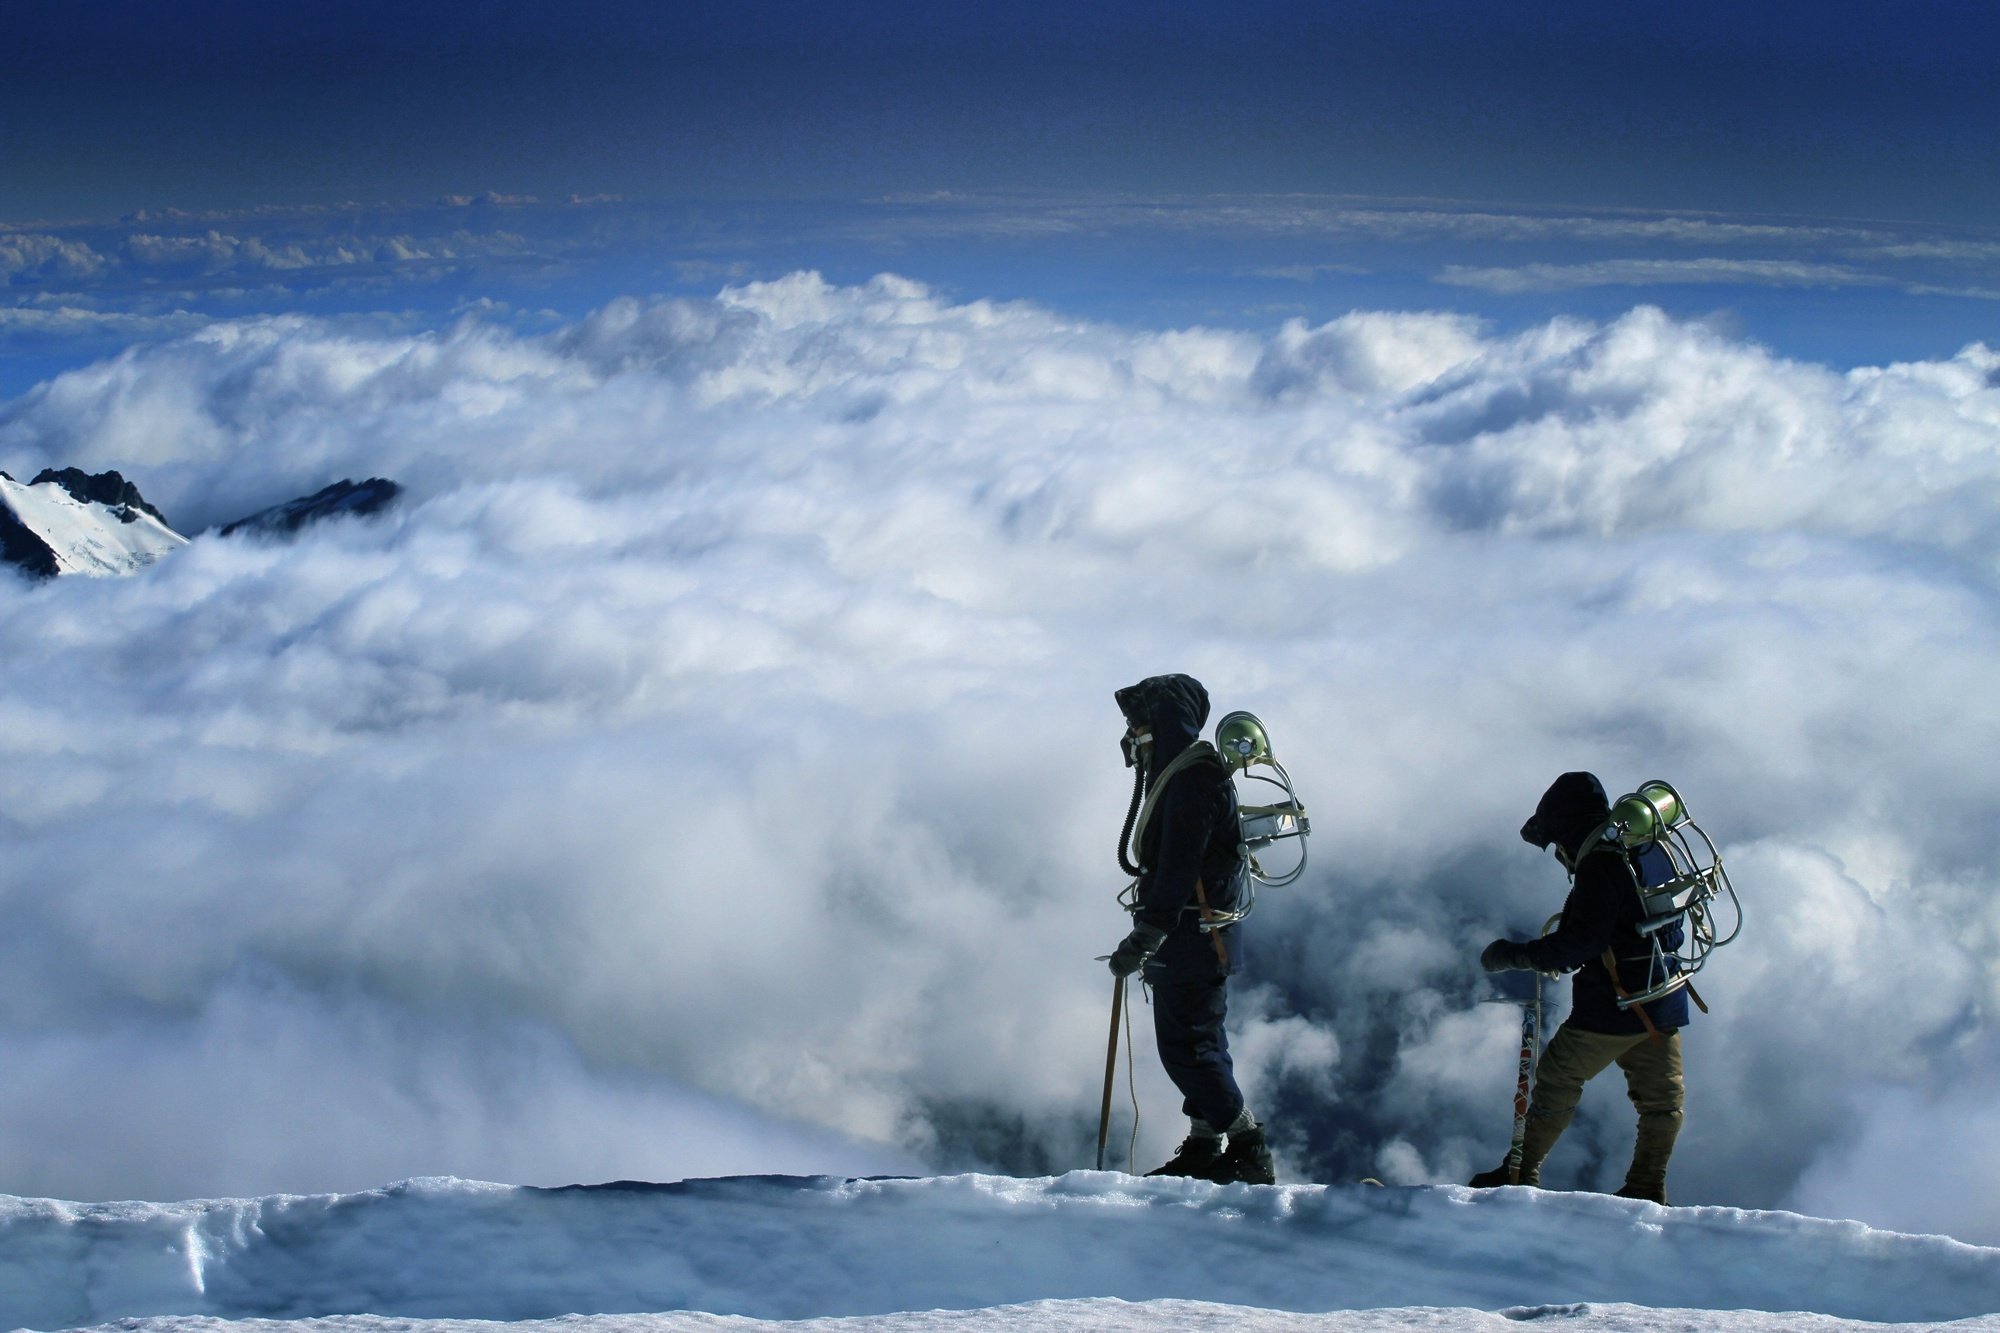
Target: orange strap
point(1221, 949)
point(1611, 966)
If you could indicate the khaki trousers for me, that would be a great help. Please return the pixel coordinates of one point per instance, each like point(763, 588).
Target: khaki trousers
point(1652, 1080)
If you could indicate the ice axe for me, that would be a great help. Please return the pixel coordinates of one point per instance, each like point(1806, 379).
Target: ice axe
point(1531, 1049)
point(1110, 1067)
point(1531, 1043)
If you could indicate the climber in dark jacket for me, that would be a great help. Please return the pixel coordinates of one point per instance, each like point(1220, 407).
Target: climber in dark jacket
point(1192, 867)
point(1599, 919)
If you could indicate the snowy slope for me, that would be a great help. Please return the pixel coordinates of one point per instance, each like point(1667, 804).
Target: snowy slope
point(1065, 1252)
point(83, 536)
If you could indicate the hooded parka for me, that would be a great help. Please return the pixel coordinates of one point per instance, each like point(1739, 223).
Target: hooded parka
point(1192, 836)
point(1601, 912)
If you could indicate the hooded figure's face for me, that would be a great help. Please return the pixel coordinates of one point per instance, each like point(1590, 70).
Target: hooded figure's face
point(1137, 742)
point(1569, 811)
point(1163, 716)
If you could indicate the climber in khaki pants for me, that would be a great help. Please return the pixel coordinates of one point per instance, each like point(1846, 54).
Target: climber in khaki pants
point(1597, 936)
point(1652, 1068)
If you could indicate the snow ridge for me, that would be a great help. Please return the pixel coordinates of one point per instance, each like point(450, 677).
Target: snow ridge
point(776, 1247)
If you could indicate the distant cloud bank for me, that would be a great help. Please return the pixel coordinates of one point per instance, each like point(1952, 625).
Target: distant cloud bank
point(429, 256)
point(1649, 272)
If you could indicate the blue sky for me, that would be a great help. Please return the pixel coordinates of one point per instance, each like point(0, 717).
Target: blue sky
point(1159, 163)
point(1841, 108)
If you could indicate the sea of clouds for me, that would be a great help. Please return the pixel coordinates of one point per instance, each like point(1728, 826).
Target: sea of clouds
point(711, 766)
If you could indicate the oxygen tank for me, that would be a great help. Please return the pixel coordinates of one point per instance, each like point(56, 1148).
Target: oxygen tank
point(1647, 814)
point(1243, 743)
point(1687, 897)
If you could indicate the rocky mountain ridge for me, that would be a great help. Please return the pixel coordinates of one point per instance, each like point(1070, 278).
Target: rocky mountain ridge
point(68, 521)
point(346, 496)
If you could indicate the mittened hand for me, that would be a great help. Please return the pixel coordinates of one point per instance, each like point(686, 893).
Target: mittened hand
point(1133, 951)
point(1502, 955)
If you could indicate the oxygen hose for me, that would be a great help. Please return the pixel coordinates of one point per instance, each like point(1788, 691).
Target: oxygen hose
point(1131, 815)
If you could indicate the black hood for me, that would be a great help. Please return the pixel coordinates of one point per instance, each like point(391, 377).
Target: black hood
point(1172, 707)
point(1569, 811)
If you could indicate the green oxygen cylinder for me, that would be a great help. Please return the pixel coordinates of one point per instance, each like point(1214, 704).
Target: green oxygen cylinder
point(1647, 813)
point(1242, 741)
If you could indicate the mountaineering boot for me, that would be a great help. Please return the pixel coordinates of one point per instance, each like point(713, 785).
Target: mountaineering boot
point(1646, 1178)
point(1653, 1078)
point(1196, 1156)
point(1246, 1161)
point(1542, 1133)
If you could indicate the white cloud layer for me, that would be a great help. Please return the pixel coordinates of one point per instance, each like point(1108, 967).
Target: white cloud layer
point(727, 715)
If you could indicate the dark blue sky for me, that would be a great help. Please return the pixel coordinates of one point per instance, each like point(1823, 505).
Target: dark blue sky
point(1833, 108)
point(1821, 177)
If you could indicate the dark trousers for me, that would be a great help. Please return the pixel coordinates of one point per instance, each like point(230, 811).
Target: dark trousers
point(1187, 1024)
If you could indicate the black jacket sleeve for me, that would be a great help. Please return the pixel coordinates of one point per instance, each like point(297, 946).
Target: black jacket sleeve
point(1589, 918)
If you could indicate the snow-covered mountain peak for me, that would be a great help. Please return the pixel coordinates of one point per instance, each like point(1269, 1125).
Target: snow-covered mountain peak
point(110, 489)
point(74, 522)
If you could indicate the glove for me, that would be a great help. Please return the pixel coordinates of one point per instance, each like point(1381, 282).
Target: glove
point(1133, 951)
point(1504, 955)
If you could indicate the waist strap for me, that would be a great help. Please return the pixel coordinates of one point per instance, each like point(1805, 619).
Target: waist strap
point(1610, 961)
point(1221, 949)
